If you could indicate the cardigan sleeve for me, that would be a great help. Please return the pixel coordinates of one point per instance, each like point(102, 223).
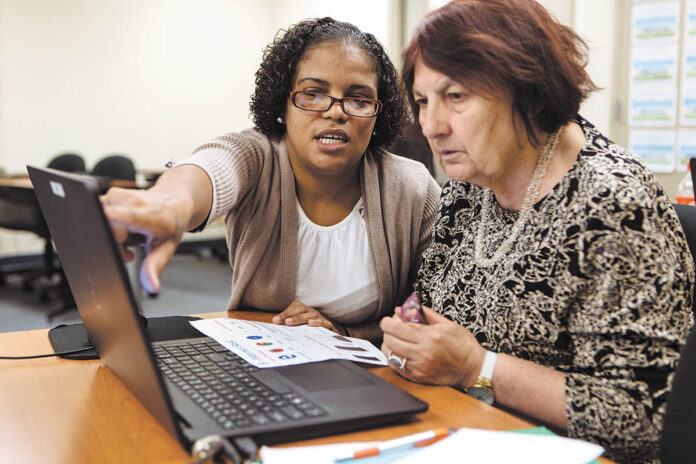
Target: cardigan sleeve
point(430, 210)
point(233, 162)
point(627, 327)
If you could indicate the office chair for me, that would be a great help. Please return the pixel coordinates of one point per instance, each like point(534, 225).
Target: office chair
point(115, 167)
point(19, 210)
point(678, 444)
point(68, 162)
point(687, 218)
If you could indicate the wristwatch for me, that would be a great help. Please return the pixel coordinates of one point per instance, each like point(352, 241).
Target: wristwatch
point(482, 390)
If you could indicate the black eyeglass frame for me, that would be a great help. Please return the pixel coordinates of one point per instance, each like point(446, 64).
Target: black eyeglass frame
point(340, 101)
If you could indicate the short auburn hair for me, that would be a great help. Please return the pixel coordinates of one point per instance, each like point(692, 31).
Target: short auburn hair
point(512, 49)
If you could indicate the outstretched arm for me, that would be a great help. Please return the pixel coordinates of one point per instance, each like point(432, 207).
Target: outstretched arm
point(158, 217)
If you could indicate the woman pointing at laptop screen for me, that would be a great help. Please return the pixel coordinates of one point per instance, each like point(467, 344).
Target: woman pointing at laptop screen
point(323, 225)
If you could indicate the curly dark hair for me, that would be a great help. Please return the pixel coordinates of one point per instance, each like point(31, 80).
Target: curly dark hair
point(275, 77)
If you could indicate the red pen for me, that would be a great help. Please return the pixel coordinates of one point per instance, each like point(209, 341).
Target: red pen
point(416, 440)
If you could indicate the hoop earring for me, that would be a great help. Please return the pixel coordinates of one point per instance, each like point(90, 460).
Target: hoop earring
point(280, 120)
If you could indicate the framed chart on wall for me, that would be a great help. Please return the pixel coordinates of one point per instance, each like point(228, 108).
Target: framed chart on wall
point(661, 109)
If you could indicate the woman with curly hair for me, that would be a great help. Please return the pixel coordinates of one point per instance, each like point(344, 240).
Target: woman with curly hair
point(323, 225)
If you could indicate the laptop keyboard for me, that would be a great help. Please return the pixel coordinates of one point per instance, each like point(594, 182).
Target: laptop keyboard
point(219, 381)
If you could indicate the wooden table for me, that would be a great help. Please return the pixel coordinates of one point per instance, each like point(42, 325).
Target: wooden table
point(104, 183)
point(60, 411)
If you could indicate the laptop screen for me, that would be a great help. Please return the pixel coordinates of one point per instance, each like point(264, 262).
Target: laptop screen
point(99, 283)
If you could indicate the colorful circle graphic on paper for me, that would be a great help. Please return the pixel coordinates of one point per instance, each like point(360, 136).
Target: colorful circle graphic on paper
point(276, 350)
point(254, 337)
point(264, 343)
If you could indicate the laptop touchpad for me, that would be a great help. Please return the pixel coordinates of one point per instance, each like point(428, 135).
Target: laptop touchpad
point(318, 377)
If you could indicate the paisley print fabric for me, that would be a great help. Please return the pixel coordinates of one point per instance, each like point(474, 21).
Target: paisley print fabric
point(598, 286)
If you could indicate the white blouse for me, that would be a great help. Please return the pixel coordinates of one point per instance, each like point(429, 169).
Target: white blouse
point(336, 271)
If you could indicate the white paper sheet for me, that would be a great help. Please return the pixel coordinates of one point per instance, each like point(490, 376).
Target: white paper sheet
point(654, 66)
point(656, 106)
point(270, 345)
point(470, 445)
point(655, 22)
point(474, 445)
point(686, 148)
point(655, 147)
point(327, 454)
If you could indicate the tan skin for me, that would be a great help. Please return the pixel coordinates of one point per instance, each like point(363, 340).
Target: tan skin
point(159, 216)
point(473, 139)
point(326, 174)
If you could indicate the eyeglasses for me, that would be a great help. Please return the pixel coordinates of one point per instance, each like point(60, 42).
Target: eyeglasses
point(353, 106)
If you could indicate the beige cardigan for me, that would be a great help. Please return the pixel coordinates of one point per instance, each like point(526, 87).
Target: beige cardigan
point(254, 189)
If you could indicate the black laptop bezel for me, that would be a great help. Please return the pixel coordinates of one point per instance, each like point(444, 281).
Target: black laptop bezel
point(160, 404)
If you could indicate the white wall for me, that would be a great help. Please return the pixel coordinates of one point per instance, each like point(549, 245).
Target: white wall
point(381, 18)
point(139, 78)
point(595, 21)
point(155, 78)
point(148, 78)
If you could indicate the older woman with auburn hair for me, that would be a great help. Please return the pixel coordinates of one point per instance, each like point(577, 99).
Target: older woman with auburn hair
point(559, 277)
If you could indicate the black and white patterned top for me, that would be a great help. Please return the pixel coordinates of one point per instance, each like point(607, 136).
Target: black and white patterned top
point(598, 285)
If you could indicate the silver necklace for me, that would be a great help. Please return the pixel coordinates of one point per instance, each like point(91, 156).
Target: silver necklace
point(525, 212)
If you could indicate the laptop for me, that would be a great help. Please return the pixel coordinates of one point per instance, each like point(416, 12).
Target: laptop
point(196, 387)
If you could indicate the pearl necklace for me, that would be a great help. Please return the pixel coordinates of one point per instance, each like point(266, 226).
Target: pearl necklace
point(530, 197)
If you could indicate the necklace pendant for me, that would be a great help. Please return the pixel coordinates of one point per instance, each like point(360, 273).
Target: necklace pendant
point(525, 212)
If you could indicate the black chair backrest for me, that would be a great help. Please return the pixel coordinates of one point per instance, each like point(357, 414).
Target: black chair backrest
point(115, 167)
point(679, 429)
point(19, 210)
point(68, 162)
point(687, 217)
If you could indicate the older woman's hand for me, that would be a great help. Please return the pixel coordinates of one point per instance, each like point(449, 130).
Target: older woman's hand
point(299, 313)
point(442, 352)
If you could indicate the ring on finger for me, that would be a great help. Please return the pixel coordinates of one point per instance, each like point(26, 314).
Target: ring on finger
point(397, 361)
